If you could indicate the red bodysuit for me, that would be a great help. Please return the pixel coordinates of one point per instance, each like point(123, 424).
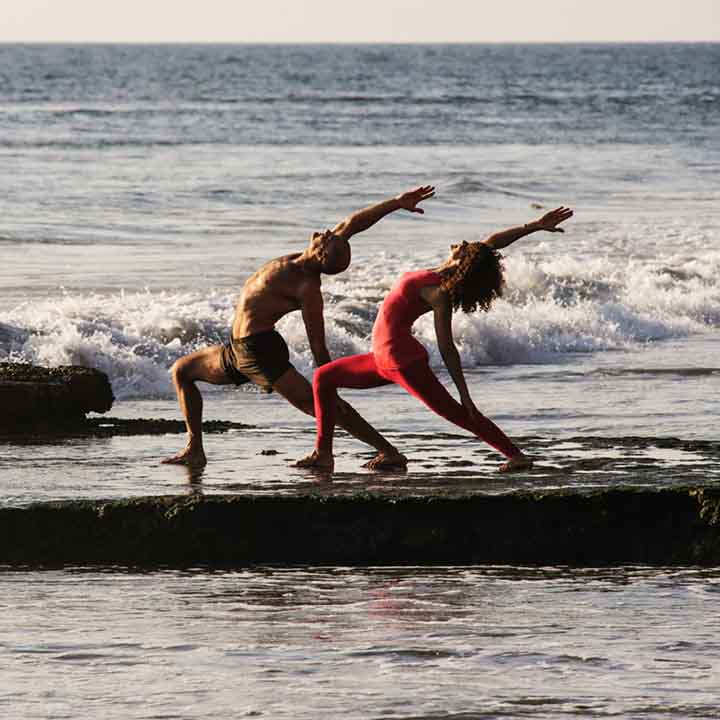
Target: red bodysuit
point(393, 344)
point(397, 357)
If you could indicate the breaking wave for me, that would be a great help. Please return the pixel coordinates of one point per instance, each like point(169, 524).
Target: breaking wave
point(553, 307)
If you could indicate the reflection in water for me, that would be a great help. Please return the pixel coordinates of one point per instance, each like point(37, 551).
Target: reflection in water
point(318, 476)
point(194, 479)
point(358, 643)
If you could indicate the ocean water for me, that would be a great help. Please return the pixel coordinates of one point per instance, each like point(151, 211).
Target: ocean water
point(435, 643)
point(141, 185)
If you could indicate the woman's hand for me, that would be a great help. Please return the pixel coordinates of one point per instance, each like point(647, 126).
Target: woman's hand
point(550, 220)
point(409, 200)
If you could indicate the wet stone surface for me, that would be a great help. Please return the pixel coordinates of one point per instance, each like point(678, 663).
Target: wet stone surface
point(37, 397)
point(106, 427)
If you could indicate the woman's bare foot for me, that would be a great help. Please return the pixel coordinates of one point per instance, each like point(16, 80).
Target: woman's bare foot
point(191, 456)
point(317, 459)
point(386, 461)
point(519, 462)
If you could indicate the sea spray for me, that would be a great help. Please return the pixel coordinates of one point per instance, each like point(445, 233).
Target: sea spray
point(133, 337)
point(553, 305)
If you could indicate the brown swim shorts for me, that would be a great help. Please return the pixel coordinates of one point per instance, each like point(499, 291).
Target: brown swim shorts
point(259, 359)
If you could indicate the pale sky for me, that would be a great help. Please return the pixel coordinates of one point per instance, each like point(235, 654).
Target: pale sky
point(359, 20)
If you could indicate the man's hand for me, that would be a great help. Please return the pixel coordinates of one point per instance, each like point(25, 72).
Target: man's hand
point(363, 219)
point(549, 221)
point(409, 200)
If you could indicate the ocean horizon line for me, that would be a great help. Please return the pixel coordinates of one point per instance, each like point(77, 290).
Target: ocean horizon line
point(326, 43)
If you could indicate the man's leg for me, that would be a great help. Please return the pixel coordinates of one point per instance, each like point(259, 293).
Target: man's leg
point(205, 365)
point(298, 392)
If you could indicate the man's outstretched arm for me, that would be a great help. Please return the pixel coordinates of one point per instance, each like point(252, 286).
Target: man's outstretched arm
point(363, 219)
point(547, 222)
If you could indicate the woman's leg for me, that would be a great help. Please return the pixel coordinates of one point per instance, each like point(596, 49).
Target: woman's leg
point(419, 380)
point(355, 371)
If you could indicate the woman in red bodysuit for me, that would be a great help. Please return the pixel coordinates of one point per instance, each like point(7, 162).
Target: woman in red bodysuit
point(470, 278)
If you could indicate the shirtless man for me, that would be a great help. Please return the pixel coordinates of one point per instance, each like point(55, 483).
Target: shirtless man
point(257, 353)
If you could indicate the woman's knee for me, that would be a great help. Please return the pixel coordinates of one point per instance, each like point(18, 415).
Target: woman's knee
point(324, 379)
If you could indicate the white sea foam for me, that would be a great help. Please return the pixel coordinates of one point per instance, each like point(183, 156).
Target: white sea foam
point(554, 306)
point(134, 337)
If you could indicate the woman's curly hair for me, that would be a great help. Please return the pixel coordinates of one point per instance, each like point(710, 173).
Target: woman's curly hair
point(477, 280)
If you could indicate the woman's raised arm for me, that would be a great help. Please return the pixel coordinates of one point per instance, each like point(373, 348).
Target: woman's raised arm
point(548, 222)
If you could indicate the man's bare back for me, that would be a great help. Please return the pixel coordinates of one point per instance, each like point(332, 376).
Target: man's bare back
point(257, 353)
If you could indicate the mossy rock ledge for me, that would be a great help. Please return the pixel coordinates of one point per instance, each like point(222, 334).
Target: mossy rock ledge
point(33, 397)
point(670, 526)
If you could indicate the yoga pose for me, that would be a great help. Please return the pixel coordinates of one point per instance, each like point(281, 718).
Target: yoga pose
point(470, 278)
point(258, 354)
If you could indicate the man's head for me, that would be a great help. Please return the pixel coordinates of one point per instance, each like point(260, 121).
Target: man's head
point(332, 251)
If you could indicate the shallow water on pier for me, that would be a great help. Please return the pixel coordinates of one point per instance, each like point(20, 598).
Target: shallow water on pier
point(360, 643)
point(589, 425)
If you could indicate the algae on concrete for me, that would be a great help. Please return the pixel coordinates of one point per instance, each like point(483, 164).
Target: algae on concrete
point(631, 525)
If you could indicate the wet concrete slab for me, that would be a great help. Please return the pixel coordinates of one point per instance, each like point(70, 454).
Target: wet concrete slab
point(668, 526)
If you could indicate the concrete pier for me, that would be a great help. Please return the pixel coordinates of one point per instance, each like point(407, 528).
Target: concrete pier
point(671, 526)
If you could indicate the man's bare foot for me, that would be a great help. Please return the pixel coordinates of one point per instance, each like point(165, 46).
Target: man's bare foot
point(191, 457)
point(519, 462)
point(317, 459)
point(386, 461)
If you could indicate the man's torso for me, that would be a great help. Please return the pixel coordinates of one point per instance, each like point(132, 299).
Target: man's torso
point(269, 294)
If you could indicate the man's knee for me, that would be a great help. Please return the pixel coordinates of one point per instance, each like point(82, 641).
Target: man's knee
point(180, 371)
